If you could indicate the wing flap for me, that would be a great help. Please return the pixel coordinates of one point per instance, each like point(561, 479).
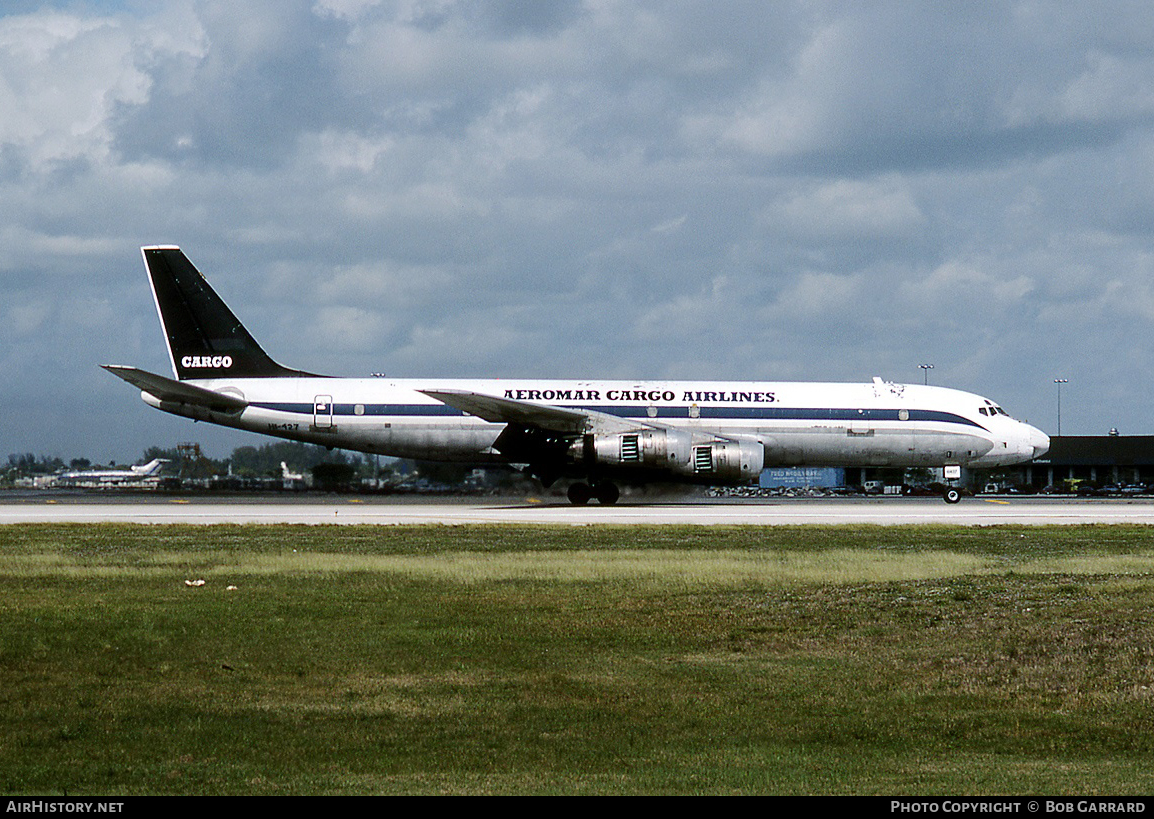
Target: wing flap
point(178, 392)
point(555, 419)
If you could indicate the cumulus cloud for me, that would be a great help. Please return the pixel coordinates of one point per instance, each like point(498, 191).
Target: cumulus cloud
point(848, 208)
point(61, 78)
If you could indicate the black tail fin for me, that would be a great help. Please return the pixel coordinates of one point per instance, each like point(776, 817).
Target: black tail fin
point(205, 339)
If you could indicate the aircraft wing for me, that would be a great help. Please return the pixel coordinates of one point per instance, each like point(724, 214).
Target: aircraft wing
point(555, 419)
point(175, 391)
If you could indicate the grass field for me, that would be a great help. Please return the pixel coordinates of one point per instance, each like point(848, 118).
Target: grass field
point(585, 660)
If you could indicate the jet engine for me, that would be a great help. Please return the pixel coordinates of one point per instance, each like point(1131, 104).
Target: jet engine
point(695, 457)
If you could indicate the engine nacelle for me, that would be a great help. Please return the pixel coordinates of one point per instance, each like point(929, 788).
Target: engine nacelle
point(728, 462)
point(683, 454)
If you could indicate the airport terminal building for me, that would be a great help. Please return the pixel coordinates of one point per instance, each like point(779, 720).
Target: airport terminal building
point(1115, 460)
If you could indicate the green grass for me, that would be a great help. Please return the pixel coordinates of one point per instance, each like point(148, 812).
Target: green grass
point(600, 660)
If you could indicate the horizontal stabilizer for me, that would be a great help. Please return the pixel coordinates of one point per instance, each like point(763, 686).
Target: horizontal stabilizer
point(167, 389)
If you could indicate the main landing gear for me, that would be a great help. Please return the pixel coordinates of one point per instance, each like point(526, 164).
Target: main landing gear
point(606, 493)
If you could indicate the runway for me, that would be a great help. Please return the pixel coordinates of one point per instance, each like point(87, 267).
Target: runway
point(350, 510)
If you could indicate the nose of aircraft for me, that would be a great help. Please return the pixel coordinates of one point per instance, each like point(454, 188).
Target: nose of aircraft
point(1039, 440)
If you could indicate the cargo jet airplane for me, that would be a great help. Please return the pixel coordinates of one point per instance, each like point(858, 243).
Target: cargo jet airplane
point(599, 433)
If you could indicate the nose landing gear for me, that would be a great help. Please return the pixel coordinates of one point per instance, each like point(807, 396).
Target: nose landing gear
point(951, 473)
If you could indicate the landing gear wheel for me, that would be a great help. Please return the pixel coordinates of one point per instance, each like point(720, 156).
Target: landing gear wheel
point(952, 495)
point(579, 494)
point(607, 493)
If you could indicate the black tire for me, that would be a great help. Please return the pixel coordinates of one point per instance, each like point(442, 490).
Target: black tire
point(579, 494)
point(952, 495)
point(607, 493)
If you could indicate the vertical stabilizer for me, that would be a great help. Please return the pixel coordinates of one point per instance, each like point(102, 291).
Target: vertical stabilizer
point(205, 339)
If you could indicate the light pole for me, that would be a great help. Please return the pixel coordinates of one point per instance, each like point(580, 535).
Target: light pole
point(1060, 382)
point(925, 368)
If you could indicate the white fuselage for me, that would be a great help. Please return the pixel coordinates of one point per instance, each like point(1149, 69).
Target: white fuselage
point(812, 424)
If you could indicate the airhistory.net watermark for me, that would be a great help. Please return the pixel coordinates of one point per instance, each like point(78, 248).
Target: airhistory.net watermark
point(61, 806)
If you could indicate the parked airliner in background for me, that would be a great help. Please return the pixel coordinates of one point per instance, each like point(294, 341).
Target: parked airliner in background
point(112, 477)
point(597, 432)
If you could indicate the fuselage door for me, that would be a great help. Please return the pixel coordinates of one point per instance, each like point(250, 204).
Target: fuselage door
point(323, 412)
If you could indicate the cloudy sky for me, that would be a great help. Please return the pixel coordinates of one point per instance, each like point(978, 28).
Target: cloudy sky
point(581, 188)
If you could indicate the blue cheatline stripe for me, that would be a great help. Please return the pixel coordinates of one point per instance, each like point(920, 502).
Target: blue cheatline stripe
point(370, 409)
point(640, 412)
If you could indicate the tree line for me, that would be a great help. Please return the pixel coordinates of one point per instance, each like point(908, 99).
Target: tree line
point(186, 461)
